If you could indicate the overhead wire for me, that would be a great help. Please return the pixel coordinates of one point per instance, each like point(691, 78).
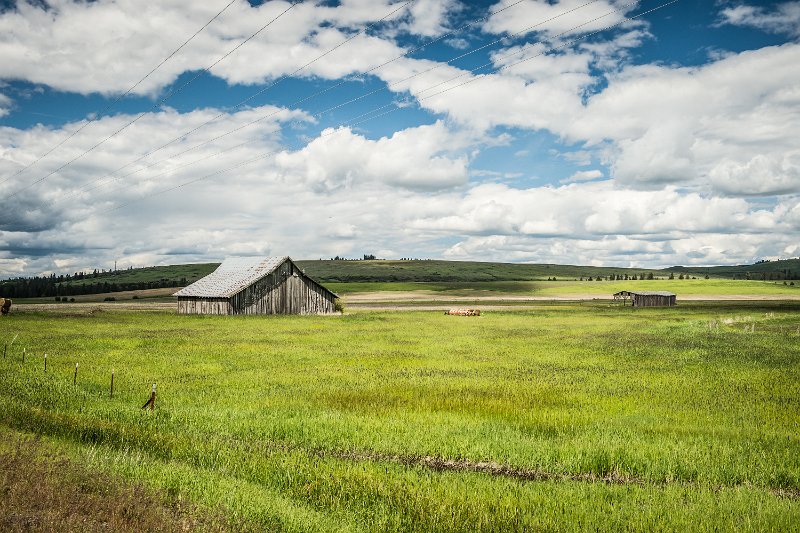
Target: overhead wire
point(158, 103)
point(319, 114)
point(439, 65)
point(340, 129)
point(246, 100)
point(100, 113)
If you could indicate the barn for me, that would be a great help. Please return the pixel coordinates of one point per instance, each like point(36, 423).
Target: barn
point(256, 286)
point(647, 298)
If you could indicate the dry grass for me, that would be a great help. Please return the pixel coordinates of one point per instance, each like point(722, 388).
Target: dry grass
point(41, 491)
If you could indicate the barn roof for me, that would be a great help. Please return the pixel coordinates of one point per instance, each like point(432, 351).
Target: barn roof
point(233, 275)
point(647, 293)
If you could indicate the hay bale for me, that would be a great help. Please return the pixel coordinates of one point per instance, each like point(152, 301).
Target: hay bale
point(463, 312)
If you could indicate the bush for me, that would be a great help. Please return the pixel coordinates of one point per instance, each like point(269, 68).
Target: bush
point(109, 299)
point(58, 298)
point(135, 297)
point(72, 299)
point(338, 305)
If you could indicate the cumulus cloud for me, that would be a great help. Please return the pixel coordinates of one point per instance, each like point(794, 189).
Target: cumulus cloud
point(783, 18)
point(5, 104)
point(688, 153)
point(410, 158)
point(106, 46)
point(652, 124)
point(594, 209)
point(560, 17)
point(29, 204)
point(583, 175)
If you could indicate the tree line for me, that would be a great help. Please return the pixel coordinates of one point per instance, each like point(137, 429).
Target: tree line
point(63, 285)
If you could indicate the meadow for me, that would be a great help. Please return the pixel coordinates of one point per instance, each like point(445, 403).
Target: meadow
point(566, 288)
point(562, 417)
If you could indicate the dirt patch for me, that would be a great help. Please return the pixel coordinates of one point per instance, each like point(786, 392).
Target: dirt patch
point(439, 464)
point(46, 492)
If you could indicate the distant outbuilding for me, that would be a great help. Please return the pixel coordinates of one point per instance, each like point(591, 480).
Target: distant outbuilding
point(256, 286)
point(647, 298)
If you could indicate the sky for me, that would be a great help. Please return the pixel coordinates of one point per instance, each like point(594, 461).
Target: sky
point(608, 132)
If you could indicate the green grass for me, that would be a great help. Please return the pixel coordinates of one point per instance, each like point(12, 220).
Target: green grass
point(444, 271)
point(679, 287)
point(566, 288)
point(304, 423)
point(192, 272)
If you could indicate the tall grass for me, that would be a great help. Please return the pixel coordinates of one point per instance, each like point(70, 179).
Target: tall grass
point(295, 422)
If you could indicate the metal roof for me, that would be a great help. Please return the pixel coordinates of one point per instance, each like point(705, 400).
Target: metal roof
point(648, 293)
point(233, 275)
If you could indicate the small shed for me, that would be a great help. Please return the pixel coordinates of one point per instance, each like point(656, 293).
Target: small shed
point(647, 298)
point(256, 286)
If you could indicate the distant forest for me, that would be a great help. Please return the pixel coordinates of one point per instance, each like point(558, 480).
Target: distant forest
point(371, 269)
point(77, 284)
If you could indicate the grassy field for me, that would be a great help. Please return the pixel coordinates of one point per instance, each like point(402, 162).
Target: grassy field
point(565, 417)
point(441, 271)
point(694, 287)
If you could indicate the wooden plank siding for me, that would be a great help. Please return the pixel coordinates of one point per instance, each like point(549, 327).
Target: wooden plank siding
point(286, 290)
point(653, 300)
point(203, 306)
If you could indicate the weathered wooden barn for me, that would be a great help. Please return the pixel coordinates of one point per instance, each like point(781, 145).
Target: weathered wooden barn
point(647, 298)
point(256, 286)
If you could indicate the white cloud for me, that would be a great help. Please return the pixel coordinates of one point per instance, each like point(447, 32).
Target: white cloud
point(410, 158)
point(558, 17)
point(429, 17)
point(595, 209)
point(652, 124)
point(583, 175)
point(784, 18)
point(106, 46)
point(5, 104)
point(348, 197)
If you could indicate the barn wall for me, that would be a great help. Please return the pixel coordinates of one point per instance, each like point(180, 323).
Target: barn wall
point(285, 291)
point(653, 300)
point(188, 305)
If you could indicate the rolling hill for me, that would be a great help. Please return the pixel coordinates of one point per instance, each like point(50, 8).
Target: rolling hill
point(349, 271)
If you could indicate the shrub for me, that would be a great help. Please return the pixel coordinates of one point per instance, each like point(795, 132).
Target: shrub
point(72, 299)
point(109, 299)
point(338, 305)
point(58, 298)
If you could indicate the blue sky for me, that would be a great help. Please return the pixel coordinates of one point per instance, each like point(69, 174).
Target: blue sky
point(667, 139)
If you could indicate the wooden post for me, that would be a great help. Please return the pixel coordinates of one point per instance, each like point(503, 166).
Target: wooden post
point(5, 349)
point(75, 375)
point(152, 400)
point(111, 394)
point(23, 355)
point(45, 362)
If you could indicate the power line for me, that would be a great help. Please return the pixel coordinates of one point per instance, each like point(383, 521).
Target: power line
point(522, 49)
point(99, 114)
point(269, 154)
point(249, 98)
point(298, 102)
point(157, 104)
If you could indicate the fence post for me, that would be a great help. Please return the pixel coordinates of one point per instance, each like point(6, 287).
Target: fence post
point(23, 355)
point(5, 349)
point(45, 362)
point(111, 394)
point(75, 375)
point(151, 402)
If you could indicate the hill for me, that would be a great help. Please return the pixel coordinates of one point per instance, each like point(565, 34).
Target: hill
point(349, 271)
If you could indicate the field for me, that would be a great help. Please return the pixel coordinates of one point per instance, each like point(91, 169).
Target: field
point(584, 289)
point(565, 416)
